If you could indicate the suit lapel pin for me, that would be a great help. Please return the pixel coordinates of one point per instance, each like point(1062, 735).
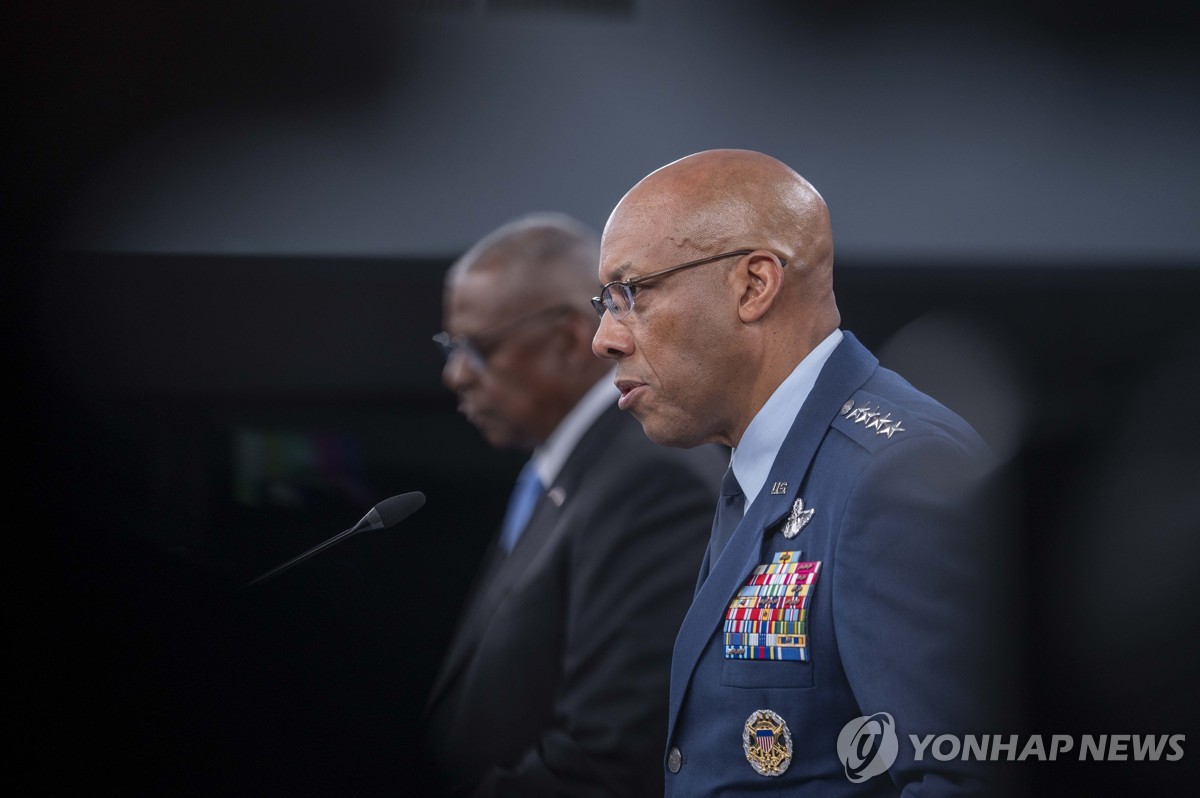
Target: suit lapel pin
point(797, 520)
point(778, 488)
point(557, 495)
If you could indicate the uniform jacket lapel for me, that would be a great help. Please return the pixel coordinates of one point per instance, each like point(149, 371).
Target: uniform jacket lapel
point(846, 370)
point(500, 574)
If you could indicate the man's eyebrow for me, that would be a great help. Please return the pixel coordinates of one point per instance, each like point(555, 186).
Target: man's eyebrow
point(619, 273)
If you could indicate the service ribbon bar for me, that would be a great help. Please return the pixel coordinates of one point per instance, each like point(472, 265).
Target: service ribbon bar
point(768, 618)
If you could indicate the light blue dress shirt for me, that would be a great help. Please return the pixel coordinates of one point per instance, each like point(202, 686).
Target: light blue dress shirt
point(754, 454)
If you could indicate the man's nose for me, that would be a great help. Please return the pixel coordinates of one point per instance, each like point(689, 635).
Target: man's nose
point(459, 371)
point(612, 339)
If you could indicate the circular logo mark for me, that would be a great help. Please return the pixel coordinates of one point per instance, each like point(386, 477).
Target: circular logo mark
point(867, 746)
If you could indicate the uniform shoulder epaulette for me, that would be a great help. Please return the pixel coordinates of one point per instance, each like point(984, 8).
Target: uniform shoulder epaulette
point(870, 421)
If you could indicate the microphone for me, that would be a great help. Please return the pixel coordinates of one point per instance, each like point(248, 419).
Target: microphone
point(388, 512)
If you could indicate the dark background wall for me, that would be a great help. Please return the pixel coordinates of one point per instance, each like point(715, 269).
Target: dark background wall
point(1013, 129)
point(227, 227)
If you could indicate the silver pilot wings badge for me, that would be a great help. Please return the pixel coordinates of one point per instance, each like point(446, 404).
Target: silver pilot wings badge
point(797, 519)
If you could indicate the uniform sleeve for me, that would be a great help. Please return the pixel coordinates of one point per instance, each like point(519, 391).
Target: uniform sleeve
point(632, 571)
point(912, 592)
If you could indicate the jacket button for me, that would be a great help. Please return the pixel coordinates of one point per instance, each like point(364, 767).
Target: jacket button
point(674, 760)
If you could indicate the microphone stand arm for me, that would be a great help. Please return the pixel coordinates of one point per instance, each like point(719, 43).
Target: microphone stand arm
point(302, 557)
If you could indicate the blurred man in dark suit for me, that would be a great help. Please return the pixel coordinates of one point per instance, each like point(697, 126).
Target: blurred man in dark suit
point(555, 682)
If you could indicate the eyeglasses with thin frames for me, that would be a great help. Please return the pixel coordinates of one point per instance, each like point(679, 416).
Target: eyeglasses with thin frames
point(617, 297)
point(478, 348)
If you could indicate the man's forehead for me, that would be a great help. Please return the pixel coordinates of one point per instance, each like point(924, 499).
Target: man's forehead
point(627, 248)
point(634, 255)
point(476, 299)
point(472, 281)
point(619, 259)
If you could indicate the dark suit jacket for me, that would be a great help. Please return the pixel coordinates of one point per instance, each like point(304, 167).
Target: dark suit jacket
point(892, 617)
point(556, 680)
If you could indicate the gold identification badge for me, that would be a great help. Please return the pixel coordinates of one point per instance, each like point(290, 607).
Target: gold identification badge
point(767, 742)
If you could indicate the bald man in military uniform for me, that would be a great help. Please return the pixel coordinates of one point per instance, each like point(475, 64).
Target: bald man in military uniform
point(837, 610)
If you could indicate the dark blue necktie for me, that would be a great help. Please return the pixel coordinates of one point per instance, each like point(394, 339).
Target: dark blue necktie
point(525, 496)
point(730, 509)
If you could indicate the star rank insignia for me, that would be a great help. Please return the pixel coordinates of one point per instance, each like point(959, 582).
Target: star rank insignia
point(767, 742)
point(858, 414)
point(881, 422)
point(797, 519)
point(866, 416)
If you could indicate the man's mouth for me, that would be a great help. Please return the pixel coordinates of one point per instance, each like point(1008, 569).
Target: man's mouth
point(470, 411)
point(630, 389)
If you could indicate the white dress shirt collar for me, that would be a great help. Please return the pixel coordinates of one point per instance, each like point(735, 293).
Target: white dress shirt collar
point(549, 458)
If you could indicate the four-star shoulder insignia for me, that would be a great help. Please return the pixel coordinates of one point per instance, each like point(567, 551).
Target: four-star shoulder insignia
point(871, 418)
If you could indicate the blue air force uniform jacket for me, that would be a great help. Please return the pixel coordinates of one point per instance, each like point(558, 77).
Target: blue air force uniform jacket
point(863, 598)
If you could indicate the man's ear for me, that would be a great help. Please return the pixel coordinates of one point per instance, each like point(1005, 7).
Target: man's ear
point(762, 280)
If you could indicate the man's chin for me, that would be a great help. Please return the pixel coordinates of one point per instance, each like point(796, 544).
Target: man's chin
point(496, 436)
point(668, 434)
point(499, 437)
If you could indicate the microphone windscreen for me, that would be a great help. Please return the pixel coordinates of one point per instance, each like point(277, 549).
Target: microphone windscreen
point(396, 509)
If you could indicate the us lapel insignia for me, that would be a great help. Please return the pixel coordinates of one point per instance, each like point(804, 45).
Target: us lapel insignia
point(797, 520)
point(778, 488)
point(767, 743)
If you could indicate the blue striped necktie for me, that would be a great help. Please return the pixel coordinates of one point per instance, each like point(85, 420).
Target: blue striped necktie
point(525, 496)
